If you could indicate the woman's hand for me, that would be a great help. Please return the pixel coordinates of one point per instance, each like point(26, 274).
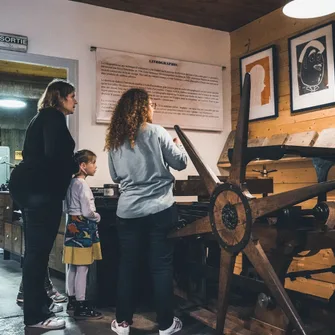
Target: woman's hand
point(177, 141)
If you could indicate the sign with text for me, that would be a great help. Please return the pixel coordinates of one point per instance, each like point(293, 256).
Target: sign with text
point(13, 42)
point(187, 94)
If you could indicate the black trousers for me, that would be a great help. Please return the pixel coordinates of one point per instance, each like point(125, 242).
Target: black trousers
point(41, 219)
point(133, 233)
point(47, 282)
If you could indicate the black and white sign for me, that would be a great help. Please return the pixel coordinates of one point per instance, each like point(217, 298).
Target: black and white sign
point(13, 42)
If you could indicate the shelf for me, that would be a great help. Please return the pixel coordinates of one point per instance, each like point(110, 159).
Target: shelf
point(270, 161)
point(277, 154)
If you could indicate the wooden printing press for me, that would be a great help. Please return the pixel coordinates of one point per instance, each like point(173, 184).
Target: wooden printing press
point(269, 231)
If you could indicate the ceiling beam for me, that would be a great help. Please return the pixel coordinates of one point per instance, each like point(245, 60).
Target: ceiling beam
point(25, 69)
point(224, 15)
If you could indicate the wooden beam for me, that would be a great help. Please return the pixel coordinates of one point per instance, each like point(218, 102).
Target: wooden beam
point(225, 15)
point(209, 319)
point(25, 69)
point(197, 186)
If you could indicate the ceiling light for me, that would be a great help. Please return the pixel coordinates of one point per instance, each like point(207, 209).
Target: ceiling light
point(308, 9)
point(11, 103)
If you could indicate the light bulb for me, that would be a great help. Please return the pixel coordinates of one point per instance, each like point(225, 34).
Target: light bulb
point(11, 103)
point(308, 9)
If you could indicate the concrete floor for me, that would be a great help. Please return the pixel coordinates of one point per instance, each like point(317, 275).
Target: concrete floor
point(11, 315)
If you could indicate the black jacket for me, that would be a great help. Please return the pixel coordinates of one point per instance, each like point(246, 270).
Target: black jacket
point(48, 163)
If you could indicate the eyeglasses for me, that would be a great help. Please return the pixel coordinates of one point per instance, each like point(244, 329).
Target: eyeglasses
point(153, 105)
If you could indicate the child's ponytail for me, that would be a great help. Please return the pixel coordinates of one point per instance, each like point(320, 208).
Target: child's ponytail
point(84, 156)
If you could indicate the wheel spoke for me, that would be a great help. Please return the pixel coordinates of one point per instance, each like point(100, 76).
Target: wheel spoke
point(237, 172)
point(227, 262)
point(263, 206)
point(205, 172)
point(200, 226)
point(257, 257)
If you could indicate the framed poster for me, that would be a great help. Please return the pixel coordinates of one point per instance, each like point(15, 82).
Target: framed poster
point(312, 72)
point(263, 96)
point(187, 94)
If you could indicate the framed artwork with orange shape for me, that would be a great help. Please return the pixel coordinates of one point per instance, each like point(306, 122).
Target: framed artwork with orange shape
point(262, 67)
point(312, 70)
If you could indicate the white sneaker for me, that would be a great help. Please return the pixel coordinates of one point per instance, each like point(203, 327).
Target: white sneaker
point(120, 328)
point(175, 327)
point(56, 296)
point(51, 323)
point(56, 308)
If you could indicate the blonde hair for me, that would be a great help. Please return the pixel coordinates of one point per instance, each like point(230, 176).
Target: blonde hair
point(52, 95)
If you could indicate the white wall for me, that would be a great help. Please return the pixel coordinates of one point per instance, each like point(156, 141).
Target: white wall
point(62, 28)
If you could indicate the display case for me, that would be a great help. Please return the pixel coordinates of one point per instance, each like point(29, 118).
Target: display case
point(12, 236)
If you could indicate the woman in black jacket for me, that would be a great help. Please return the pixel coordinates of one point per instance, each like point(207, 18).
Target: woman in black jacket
point(38, 185)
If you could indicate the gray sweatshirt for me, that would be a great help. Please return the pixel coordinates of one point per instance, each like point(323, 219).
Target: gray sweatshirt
point(143, 172)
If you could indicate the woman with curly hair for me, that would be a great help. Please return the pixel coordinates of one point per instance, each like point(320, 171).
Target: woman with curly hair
point(140, 154)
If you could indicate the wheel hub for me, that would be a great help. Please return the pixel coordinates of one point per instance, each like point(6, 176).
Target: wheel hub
point(231, 227)
point(229, 217)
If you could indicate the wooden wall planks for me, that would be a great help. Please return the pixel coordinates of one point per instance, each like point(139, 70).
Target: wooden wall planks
point(276, 28)
point(25, 69)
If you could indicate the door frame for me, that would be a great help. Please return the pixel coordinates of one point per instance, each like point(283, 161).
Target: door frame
point(71, 65)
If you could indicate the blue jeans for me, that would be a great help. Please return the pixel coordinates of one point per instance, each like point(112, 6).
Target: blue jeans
point(134, 236)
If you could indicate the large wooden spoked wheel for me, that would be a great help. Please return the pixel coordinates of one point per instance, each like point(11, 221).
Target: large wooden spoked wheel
point(232, 212)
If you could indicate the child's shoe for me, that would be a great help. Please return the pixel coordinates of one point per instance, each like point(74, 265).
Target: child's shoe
point(71, 305)
point(56, 296)
point(55, 308)
point(175, 327)
point(19, 297)
point(120, 328)
point(84, 310)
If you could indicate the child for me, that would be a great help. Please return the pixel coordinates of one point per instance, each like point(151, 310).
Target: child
point(81, 243)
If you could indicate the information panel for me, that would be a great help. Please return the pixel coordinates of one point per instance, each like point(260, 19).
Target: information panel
point(187, 94)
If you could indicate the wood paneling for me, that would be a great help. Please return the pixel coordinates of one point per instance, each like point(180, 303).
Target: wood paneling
point(275, 28)
point(225, 15)
point(17, 239)
point(8, 236)
point(25, 69)
point(56, 254)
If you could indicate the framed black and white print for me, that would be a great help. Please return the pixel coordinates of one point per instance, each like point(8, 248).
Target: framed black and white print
point(263, 95)
point(312, 70)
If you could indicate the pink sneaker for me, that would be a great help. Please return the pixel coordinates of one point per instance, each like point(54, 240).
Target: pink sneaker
point(175, 327)
point(120, 328)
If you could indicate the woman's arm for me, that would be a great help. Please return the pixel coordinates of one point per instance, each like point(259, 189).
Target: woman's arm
point(174, 153)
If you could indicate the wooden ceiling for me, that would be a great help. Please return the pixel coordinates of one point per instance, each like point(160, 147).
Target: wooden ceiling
point(27, 69)
point(25, 80)
point(225, 15)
